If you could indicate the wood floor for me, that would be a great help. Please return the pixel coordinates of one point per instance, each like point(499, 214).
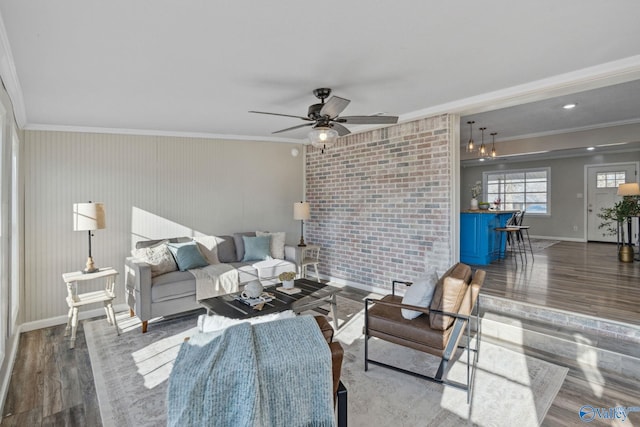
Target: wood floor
point(584, 278)
point(52, 385)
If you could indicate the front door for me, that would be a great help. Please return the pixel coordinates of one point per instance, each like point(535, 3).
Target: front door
point(602, 186)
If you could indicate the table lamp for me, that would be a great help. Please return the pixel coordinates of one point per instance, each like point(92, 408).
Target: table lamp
point(88, 217)
point(301, 212)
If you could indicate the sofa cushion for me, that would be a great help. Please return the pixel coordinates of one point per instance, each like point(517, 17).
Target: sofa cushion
point(208, 246)
point(227, 249)
point(271, 268)
point(448, 295)
point(176, 284)
point(187, 255)
point(262, 270)
point(277, 242)
point(419, 293)
point(157, 256)
point(256, 248)
point(246, 271)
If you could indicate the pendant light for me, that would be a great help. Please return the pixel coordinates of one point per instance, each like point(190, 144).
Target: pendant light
point(470, 144)
point(493, 144)
point(483, 149)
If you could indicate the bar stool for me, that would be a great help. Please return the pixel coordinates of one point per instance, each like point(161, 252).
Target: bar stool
point(511, 232)
point(525, 228)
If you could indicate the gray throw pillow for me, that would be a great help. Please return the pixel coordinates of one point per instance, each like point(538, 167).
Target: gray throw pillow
point(419, 294)
point(227, 249)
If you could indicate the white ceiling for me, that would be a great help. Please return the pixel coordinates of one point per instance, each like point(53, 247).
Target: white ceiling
point(196, 68)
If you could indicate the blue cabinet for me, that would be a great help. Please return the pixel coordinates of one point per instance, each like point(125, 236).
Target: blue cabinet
point(480, 244)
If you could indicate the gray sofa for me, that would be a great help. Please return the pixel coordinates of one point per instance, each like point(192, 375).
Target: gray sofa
point(175, 292)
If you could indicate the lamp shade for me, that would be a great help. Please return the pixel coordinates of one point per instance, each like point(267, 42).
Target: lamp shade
point(301, 211)
point(88, 216)
point(629, 189)
point(322, 136)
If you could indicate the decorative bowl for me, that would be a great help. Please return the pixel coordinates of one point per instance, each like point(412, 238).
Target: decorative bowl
point(253, 289)
point(483, 206)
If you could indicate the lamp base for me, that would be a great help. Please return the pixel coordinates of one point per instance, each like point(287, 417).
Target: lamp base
point(90, 267)
point(302, 243)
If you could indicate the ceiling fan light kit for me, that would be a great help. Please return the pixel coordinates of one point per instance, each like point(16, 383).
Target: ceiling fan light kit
point(323, 137)
point(326, 121)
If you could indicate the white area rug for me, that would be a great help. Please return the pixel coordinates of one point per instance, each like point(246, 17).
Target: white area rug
point(131, 374)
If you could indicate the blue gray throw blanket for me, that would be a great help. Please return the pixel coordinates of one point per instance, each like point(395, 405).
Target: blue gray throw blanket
point(268, 375)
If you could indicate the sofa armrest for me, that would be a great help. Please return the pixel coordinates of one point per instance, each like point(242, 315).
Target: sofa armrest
point(290, 253)
point(425, 310)
point(137, 281)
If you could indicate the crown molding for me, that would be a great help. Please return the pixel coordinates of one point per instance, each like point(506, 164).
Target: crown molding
point(147, 132)
point(594, 77)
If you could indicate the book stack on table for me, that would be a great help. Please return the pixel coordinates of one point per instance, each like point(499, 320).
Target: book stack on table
point(252, 302)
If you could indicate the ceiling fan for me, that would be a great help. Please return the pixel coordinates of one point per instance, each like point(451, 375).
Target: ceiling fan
point(326, 121)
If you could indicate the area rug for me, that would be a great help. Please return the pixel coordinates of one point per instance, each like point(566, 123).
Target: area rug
point(131, 372)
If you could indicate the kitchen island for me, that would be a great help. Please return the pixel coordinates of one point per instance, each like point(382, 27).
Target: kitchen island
point(480, 244)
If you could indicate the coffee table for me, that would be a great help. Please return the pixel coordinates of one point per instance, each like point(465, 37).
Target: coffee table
point(314, 295)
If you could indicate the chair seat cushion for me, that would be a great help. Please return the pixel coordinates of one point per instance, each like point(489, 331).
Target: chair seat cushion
point(387, 323)
point(176, 284)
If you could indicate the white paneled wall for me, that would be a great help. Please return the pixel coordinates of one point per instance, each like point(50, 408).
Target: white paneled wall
point(152, 187)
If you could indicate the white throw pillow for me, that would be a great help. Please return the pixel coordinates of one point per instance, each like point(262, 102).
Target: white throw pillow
point(208, 246)
point(158, 257)
point(277, 243)
point(419, 294)
point(216, 323)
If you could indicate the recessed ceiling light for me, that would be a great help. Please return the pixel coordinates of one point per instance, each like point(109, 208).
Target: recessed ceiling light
point(569, 106)
point(482, 160)
point(591, 148)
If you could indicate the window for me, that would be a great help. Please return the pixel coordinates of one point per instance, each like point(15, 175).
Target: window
point(526, 189)
point(610, 179)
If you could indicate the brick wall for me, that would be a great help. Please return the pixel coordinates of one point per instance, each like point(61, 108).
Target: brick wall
point(380, 203)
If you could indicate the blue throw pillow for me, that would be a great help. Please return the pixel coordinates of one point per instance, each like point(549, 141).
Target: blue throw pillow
point(187, 255)
point(256, 248)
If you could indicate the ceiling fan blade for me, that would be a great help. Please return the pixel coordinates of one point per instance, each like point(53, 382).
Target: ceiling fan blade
point(342, 131)
point(294, 127)
point(334, 106)
point(285, 115)
point(368, 120)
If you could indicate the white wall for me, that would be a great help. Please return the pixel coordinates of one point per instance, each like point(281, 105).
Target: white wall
point(152, 187)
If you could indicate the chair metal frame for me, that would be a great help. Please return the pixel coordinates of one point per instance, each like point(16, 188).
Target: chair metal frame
point(452, 344)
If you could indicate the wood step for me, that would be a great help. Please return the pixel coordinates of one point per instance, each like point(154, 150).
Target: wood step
point(568, 338)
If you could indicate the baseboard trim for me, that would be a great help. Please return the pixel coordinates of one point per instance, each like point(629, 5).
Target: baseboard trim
point(15, 342)
point(563, 239)
point(61, 320)
point(343, 282)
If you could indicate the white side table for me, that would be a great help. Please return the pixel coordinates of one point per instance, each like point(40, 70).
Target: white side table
point(306, 256)
point(76, 300)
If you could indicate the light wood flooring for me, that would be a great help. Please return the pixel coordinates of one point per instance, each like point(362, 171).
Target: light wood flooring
point(584, 278)
point(52, 385)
